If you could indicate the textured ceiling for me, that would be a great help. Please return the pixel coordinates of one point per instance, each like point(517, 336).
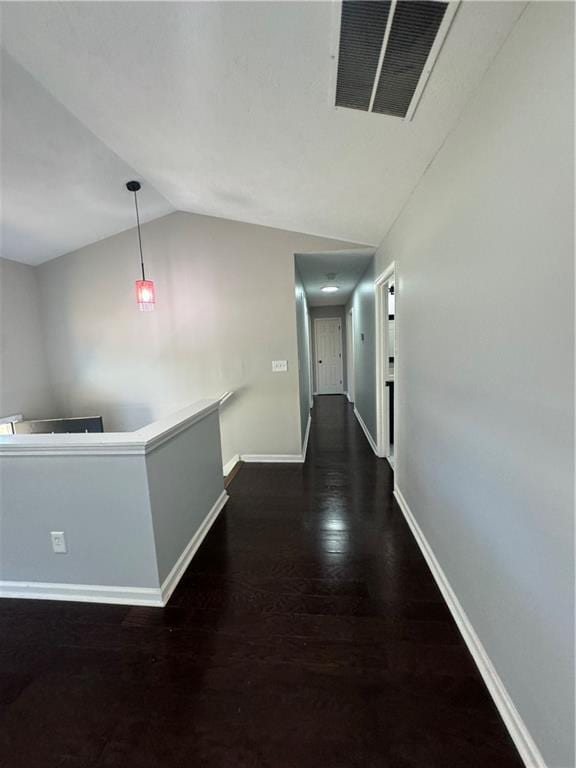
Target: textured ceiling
point(61, 186)
point(346, 266)
point(221, 108)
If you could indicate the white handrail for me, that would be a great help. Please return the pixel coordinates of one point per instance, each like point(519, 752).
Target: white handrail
point(225, 397)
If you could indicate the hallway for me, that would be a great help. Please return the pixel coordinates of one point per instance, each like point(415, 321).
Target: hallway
point(307, 632)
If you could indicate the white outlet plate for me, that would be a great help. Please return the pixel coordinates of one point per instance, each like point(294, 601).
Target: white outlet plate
point(279, 366)
point(58, 542)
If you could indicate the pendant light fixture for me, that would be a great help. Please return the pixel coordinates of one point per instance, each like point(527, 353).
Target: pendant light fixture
point(145, 292)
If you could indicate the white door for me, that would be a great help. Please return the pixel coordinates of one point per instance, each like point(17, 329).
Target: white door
point(328, 336)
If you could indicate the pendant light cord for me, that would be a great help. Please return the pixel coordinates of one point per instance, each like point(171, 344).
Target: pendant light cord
point(139, 237)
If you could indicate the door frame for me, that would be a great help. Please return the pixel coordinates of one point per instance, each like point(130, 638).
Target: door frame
point(316, 370)
point(310, 360)
point(350, 367)
point(382, 391)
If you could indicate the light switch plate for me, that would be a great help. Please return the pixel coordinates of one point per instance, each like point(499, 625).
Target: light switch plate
point(279, 366)
point(58, 542)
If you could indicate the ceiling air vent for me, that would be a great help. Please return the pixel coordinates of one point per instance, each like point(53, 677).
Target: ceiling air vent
point(361, 33)
point(387, 51)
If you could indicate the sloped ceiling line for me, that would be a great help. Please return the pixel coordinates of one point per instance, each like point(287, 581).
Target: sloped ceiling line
point(221, 113)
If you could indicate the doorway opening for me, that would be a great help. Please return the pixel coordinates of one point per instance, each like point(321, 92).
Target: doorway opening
point(386, 365)
point(324, 292)
point(328, 355)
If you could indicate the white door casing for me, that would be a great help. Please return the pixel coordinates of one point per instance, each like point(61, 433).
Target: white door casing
point(382, 355)
point(328, 362)
point(350, 354)
point(310, 358)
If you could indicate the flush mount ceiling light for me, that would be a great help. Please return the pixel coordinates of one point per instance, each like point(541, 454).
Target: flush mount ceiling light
point(330, 288)
point(145, 292)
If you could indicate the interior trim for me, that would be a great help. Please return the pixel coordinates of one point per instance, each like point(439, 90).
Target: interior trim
point(138, 443)
point(229, 466)
point(306, 437)
point(520, 734)
point(83, 593)
point(95, 593)
point(171, 581)
point(272, 458)
point(366, 432)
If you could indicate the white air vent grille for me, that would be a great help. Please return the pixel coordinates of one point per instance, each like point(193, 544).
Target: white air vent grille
point(361, 33)
point(387, 51)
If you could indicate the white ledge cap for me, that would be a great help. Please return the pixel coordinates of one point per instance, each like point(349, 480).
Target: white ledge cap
point(139, 442)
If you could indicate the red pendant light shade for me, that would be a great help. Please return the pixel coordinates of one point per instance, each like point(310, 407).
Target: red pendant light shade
point(145, 292)
point(145, 295)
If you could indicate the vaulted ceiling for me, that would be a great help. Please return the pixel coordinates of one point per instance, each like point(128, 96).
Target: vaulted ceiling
point(220, 108)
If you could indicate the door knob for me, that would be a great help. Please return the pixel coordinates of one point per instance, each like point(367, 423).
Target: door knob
point(319, 361)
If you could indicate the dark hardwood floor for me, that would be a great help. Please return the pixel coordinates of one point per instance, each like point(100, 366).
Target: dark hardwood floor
point(307, 632)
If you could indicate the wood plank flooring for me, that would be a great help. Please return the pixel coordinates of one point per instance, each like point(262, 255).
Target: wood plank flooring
point(307, 632)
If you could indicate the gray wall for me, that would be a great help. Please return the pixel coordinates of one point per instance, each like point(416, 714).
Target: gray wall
point(225, 310)
point(185, 479)
point(100, 502)
point(303, 352)
point(363, 302)
point(484, 254)
point(24, 382)
point(126, 518)
point(333, 311)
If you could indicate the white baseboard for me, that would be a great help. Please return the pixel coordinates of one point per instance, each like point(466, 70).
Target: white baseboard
point(229, 466)
point(306, 436)
point(366, 432)
point(83, 593)
point(171, 581)
point(521, 737)
point(272, 458)
point(95, 593)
